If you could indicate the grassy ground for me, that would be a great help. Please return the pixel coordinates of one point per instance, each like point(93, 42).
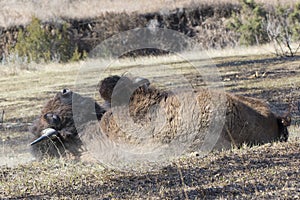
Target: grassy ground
point(267, 171)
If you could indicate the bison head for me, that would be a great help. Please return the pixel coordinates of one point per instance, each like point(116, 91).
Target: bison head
point(283, 122)
point(120, 87)
point(55, 129)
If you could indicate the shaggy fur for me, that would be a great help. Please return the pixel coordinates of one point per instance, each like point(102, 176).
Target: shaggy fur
point(58, 114)
point(247, 120)
point(160, 117)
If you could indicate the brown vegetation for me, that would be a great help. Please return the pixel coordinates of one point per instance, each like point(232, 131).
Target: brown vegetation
point(209, 24)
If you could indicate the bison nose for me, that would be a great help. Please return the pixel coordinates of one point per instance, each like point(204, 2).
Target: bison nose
point(47, 133)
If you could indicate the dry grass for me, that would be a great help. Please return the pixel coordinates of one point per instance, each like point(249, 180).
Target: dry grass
point(269, 171)
point(20, 12)
point(265, 172)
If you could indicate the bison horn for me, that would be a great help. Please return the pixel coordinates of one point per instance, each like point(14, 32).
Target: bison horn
point(48, 132)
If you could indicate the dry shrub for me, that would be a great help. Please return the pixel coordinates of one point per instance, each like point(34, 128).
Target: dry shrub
point(213, 25)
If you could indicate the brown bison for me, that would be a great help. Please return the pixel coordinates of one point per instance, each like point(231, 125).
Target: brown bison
point(246, 120)
point(142, 115)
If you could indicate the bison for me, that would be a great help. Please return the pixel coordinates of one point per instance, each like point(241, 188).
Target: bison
point(138, 115)
point(246, 120)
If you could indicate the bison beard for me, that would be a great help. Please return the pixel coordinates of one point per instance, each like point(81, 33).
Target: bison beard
point(247, 120)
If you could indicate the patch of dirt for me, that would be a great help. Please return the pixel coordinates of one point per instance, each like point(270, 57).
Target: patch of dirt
point(14, 146)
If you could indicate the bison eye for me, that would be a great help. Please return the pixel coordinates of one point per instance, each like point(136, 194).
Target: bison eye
point(52, 119)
